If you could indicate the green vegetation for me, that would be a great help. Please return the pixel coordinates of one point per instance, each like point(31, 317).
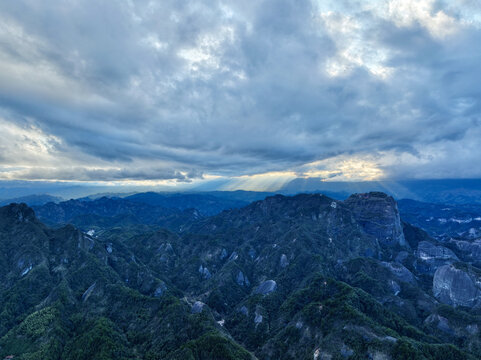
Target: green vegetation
point(211, 346)
point(128, 292)
point(97, 341)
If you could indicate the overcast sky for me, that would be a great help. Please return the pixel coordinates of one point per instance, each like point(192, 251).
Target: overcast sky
point(256, 92)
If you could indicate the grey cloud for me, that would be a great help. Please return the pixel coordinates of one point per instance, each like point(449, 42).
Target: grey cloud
point(261, 102)
point(85, 174)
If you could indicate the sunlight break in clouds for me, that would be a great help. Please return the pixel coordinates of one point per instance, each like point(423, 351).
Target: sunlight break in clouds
point(345, 168)
point(352, 49)
point(271, 181)
point(409, 12)
point(26, 145)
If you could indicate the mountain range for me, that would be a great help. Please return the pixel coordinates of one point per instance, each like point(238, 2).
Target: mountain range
point(286, 277)
point(443, 191)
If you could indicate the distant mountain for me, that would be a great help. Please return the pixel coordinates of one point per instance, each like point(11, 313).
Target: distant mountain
point(443, 220)
point(111, 212)
point(206, 204)
point(170, 210)
point(241, 195)
point(32, 200)
point(448, 191)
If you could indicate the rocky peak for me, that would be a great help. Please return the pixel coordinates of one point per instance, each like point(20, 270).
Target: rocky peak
point(379, 216)
point(17, 213)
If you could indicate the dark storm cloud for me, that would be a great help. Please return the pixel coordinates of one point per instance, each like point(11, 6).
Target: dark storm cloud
point(222, 88)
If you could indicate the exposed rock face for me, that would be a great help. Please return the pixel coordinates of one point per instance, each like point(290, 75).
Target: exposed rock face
point(379, 216)
point(284, 262)
point(457, 287)
point(472, 329)
point(243, 310)
point(258, 318)
point(440, 322)
point(430, 257)
point(84, 242)
point(396, 289)
point(402, 256)
point(242, 280)
point(88, 292)
point(197, 307)
point(266, 287)
point(400, 272)
point(346, 351)
point(470, 250)
point(159, 291)
point(427, 250)
point(26, 270)
point(234, 256)
point(204, 272)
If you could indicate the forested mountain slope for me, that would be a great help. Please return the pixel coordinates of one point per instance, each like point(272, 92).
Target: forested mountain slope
point(303, 277)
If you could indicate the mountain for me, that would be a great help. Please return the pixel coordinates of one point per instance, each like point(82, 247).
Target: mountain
point(241, 195)
point(32, 200)
point(169, 210)
point(206, 204)
point(448, 191)
point(443, 220)
point(111, 212)
point(456, 227)
point(287, 277)
point(292, 277)
point(66, 295)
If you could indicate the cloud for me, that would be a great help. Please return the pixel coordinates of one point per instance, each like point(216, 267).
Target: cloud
point(95, 174)
point(409, 12)
point(118, 90)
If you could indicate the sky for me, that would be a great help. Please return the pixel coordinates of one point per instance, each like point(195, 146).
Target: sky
point(251, 94)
